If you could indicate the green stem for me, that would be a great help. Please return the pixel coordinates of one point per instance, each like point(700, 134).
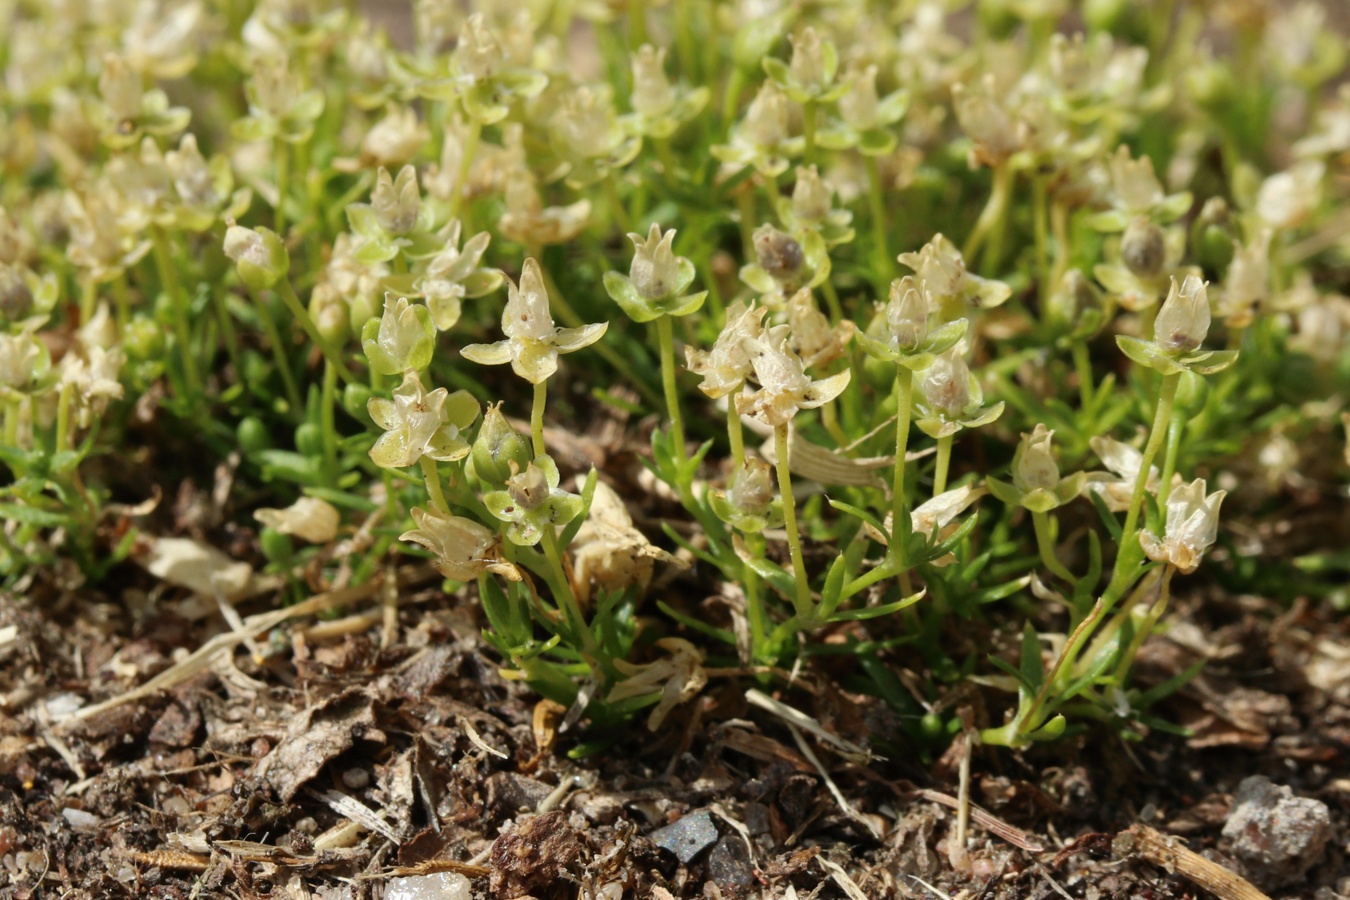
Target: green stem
point(809, 130)
point(616, 208)
point(754, 603)
point(1046, 543)
point(123, 302)
point(12, 414)
point(1161, 417)
point(944, 458)
point(178, 305)
point(666, 337)
point(875, 199)
point(745, 205)
point(637, 20)
point(468, 151)
point(686, 42)
point(432, 476)
point(283, 164)
point(1039, 216)
point(802, 603)
point(1174, 430)
point(88, 299)
point(829, 417)
point(734, 434)
point(563, 588)
point(302, 316)
point(328, 422)
point(278, 350)
point(832, 301)
point(1146, 626)
point(731, 99)
point(991, 219)
point(62, 417)
point(1083, 366)
point(537, 417)
point(1059, 229)
point(227, 329)
point(900, 523)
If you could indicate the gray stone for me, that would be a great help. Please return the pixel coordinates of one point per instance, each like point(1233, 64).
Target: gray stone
point(687, 837)
point(729, 864)
point(1276, 836)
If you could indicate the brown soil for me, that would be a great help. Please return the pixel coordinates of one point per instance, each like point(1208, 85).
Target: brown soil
point(238, 781)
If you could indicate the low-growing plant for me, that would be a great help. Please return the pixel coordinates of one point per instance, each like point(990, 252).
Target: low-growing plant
point(899, 279)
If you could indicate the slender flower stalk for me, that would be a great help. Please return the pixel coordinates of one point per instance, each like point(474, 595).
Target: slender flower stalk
point(943, 463)
point(537, 416)
point(1045, 542)
point(665, 335)
point(802, 603)
point(904, 393)
point(1162, 416)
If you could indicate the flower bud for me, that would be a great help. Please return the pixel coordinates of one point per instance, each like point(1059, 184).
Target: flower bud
point(1034, 466)
point(396, 202)
point(1212, 235)
point(808, 60)
point(143, 339)
point(1142, 248)
point(403, 337)
point(329, 313)
point(497, 447)
point(907, 314)
point(120, 87)
point(1192, 392)
point(16, 297)
point(23, 360)
point(1183, 320)
point(1133, 182)
point(812, 198)
point(751, 490)
point(946, 384)
point(779, 254)
point(858, 106)
point(100, 330)
point(654, 271)
point(766, 119)
point(259, 255)
point(653, 95)
point(1074, 295)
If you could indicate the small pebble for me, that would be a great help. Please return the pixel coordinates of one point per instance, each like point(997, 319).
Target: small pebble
point(688, 836)
point(81, 820)
point(441, 886)
point(356, 779)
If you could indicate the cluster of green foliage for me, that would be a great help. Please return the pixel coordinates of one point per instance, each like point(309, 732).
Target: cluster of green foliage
point(268, 231)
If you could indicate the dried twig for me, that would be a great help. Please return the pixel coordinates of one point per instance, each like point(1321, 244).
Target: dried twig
point(847, 749)
point(1015, 836)
point(1173, 855)
point(829, 784)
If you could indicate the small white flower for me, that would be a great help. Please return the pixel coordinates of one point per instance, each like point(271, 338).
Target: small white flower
point(784, 385)
point(1192, 527)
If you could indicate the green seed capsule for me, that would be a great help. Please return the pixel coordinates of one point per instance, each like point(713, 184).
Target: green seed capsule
point(355, 398)
point(931, 726)
point(252, 435)
point(309, 439)
point(276, 546)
